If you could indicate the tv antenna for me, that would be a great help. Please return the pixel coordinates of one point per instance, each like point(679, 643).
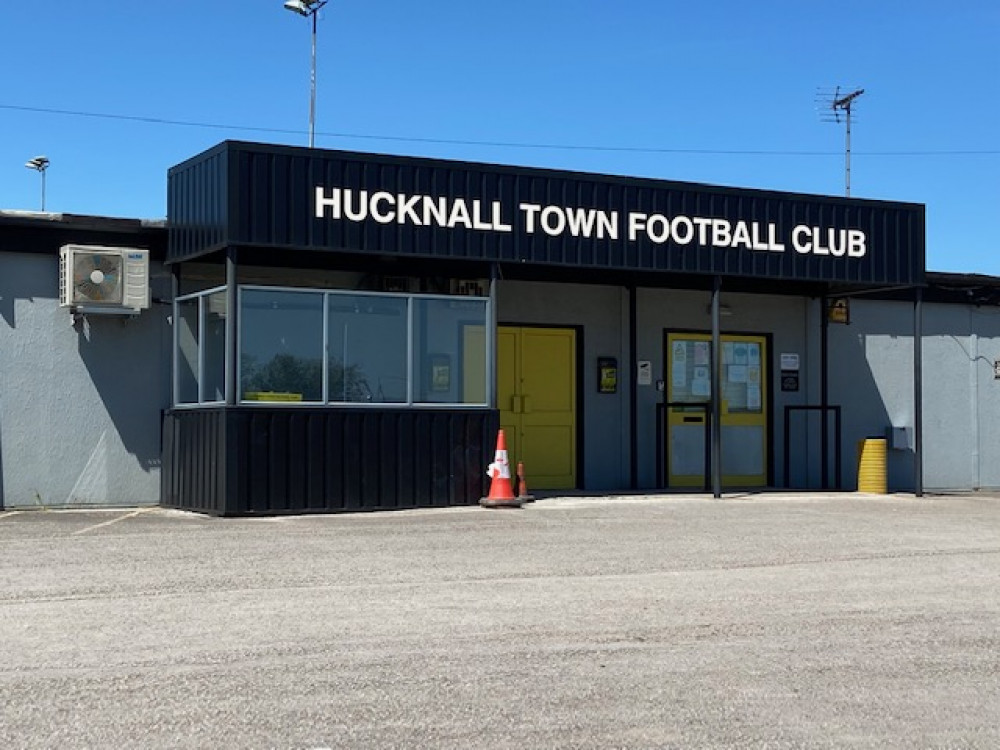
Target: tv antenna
point(834, 106)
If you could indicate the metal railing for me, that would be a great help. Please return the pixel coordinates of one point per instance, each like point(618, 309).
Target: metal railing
point(661, 438)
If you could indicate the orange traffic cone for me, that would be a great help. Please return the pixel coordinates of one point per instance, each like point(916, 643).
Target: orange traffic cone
point(501, 494)
point(522, 485)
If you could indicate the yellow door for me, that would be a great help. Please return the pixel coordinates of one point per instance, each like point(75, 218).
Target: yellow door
point(744, 409)
point(536, 396)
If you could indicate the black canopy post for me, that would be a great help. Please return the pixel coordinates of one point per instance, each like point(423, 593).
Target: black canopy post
point(716, 426)
point(824, 390)
point(175, 292)
point(633, 316)
point(232, 397)
point(491, 326)
point(918, 393)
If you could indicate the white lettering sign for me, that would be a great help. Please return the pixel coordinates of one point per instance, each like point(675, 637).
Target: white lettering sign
point(589, 223)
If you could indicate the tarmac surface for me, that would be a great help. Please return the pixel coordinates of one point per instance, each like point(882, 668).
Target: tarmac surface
point(771, 620)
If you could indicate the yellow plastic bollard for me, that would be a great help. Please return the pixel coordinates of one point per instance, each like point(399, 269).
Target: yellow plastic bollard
point(872, 466)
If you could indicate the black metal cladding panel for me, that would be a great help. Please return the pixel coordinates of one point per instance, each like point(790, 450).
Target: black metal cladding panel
point(197, 204)
point(330, 460)
point(274, 205)
point(194, 459)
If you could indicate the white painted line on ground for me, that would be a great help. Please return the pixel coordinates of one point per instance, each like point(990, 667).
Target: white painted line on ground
point(113, 520)
point(8, 513)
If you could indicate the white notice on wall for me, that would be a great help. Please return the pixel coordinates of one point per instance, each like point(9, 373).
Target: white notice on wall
point(645, 376)
point(789, 361)
point(753, 398)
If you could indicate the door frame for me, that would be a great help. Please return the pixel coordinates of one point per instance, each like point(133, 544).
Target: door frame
point(769, 390)
point(578, 411)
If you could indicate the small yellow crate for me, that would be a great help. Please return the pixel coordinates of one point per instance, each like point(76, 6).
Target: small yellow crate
point(271, 396)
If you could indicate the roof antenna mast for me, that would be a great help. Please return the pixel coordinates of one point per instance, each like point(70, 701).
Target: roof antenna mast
point(831, 105)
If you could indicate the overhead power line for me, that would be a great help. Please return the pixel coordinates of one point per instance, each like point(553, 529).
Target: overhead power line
point(501, 144)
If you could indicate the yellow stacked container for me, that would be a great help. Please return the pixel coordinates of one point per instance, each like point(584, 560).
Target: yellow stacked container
point(872, 466)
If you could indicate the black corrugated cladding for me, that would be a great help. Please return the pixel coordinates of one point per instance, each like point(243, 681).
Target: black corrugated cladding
point(265, 460)
point(198, 214)
point(262, 195)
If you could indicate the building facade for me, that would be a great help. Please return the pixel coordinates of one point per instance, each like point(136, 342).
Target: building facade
point(340, 331)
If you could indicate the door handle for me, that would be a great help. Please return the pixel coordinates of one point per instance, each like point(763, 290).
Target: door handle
point(697, 420)
point(515, 404)
point(525, 404)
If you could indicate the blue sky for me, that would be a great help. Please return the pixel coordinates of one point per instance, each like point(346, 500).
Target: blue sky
point(715, 92)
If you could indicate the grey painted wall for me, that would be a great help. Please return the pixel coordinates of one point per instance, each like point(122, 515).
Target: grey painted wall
point(79, 405)
point(786, 318)
point(870, 378)
point(603, 313)
point(873, 366)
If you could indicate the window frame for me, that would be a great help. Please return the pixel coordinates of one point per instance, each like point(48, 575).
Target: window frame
point(488, 316)
point(201, 295)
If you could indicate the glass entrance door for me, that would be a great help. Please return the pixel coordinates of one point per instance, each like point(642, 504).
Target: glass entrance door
point(744, 409)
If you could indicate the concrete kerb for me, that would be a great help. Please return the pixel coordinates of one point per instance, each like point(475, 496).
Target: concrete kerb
point(544, 501)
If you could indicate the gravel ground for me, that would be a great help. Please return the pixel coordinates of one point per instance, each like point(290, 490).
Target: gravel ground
point(663, 621)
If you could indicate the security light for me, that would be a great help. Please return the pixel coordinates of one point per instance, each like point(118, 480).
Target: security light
point(297, 6)
point(40, 164)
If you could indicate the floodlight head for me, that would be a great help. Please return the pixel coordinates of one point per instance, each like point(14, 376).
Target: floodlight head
point(298, 6)
point(41, 163)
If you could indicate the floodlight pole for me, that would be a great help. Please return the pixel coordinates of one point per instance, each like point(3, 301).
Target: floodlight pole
point(312, 87)
point(309, 8)
point(40, 164)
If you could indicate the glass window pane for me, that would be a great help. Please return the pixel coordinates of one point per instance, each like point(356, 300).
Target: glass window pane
point(367, 354)
point(449, 351)
point(187, 351)
point(742, 377)
point(281, 345)
point(214, 343)
point(690, 370)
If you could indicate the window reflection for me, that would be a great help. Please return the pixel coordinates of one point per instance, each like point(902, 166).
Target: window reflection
point(321, 346)
point(449, 351)
point(188, 342)
point(367, 349)
point(281, 346)
point(214, 377)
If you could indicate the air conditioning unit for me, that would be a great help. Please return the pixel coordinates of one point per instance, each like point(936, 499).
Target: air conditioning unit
point(93, 278)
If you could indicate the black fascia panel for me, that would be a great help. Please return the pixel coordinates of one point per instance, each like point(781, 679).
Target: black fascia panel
point(283, 197)
point(198, 210)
